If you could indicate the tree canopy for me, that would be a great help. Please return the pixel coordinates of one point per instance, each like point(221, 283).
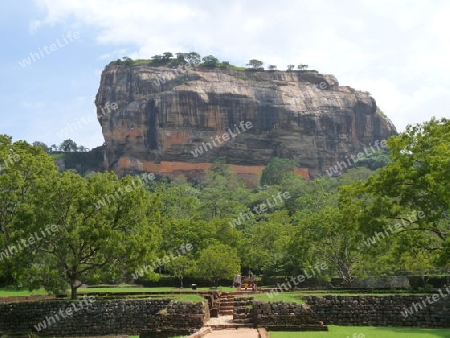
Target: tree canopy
point(388, 214)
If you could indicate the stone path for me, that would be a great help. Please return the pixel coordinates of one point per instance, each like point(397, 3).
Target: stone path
point(234, 333)
point(221, 320)
point(230, 329)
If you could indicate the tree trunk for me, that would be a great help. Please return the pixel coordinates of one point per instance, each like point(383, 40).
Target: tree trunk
point(73, 291)
point(181, 282)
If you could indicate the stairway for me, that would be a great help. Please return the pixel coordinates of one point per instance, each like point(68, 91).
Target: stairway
point(243, 311)
point(234, 312)
point(226, 303)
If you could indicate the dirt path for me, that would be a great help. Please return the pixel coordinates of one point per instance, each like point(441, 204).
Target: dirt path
point(234, 333)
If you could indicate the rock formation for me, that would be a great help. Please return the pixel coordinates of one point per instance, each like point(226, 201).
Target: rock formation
point(154, 119)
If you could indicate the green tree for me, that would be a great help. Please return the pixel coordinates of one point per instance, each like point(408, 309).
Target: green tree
point(68, 146)
point(411, 193)
point(41, 144)
point(179, 201)
point(22, 169)
point(210, 61)
point(157, 59)
point(264, 245)
point(167, 55)
point(255, 64)
point(181, 267)
point(181, 57)
point(222, 194)
point(290, 68)
point(218, 261)
point(93, 237)
point(376, 160)
point(193, 58)
point(176, 232)
point(324, 236)
point(272, 67)
point(276, 170)
point(127, 61)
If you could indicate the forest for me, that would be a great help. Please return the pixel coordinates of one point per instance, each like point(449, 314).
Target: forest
point(387, 214)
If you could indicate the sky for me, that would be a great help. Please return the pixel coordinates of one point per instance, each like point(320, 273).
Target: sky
point(399, 51)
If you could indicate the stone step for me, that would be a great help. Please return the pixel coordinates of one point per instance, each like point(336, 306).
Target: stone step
point(229, 326)
point(225, 312)
point(243, 321)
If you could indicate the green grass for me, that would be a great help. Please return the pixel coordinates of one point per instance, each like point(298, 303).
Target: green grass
point(322, 293)
point(363, 332)
point(12, 292)
point(129, 289)
point(366, 332)
point(157, 289)
point(135, 293)
point(290, 297)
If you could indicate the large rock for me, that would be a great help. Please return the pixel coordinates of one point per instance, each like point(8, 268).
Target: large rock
point(163, 114)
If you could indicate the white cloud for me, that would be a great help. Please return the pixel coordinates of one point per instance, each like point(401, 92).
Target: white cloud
point(398, 51)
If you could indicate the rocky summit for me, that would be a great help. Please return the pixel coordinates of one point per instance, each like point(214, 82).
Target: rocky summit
point(177, 121)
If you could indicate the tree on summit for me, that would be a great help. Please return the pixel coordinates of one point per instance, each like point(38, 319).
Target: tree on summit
point(210, 61)
point(256, 64)
point(68, 146)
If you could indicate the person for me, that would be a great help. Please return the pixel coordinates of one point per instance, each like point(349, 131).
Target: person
point(237, 280)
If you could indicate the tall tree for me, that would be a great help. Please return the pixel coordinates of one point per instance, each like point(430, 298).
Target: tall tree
point(22, 169)
point(218, 261)
point(94, 237)
point(406, 200)
point(323, 237)
point(181, 267)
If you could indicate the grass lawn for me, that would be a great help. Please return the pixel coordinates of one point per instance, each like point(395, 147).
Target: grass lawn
point(290, 297)
point(158, 289)
point(178, 294)
point(12, 292)
point(366, 332)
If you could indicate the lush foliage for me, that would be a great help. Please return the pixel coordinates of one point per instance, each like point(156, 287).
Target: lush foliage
point(364, 222)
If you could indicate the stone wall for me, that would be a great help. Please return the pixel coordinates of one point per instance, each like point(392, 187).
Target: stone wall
point(387, 282)
point(382, 310)
point(101, 317)
point(281, 316)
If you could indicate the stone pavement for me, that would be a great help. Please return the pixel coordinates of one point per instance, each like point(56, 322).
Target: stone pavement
point(234, 333)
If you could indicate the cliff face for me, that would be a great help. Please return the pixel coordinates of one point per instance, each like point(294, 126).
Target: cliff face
point(153, 119)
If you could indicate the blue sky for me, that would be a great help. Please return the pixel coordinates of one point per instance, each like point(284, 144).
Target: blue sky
point(398, 51)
